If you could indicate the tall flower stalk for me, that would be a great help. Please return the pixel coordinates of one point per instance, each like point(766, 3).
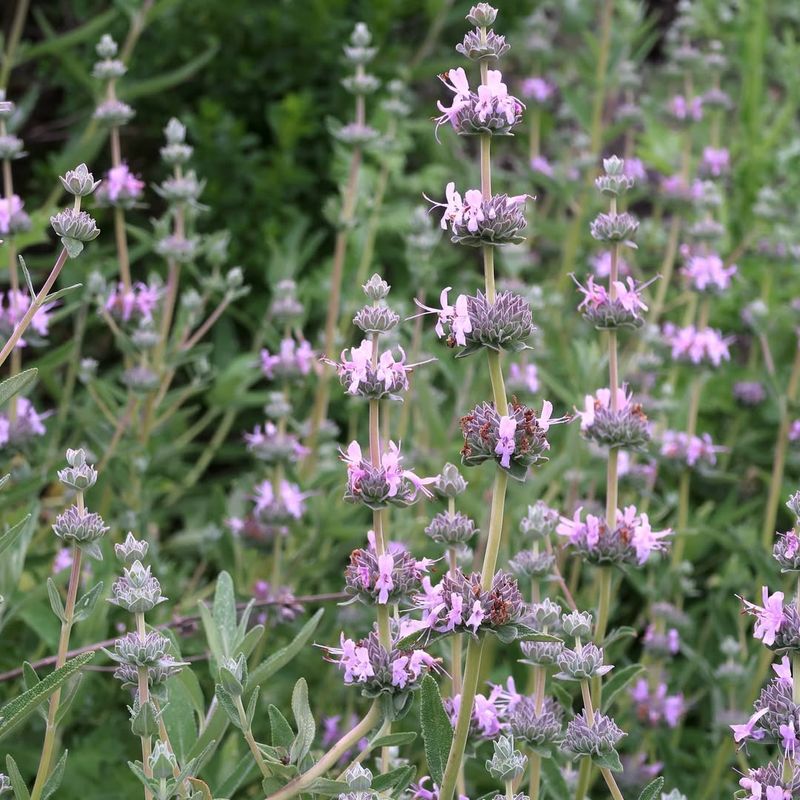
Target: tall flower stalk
point(356, 134)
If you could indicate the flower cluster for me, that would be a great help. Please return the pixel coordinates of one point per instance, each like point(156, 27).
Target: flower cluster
point(620, 424)
point(13, 305)
point(690, 450)
point(697, 345)
point(379, 486)
point(292, 361)
point(632, 540)
point(708, 273)
point(476, 220)
point(13, 218)
point(273, 446)
point(135, 303)
point(655, 706)
point(388, 578)
point(367, 374)
point(368, 664)
point(515, 441)
point(120, 188)
point(490, 110)
point(459, 604)
point(608, 312)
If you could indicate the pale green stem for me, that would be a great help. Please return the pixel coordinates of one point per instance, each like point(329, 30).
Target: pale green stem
point(330, 759)
point(144, 697)
point(250, 739)
point(48, 746)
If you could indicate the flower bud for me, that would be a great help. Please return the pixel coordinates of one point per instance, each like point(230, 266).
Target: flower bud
point(482, 15)
point(449, 482)
point(140, 651)
point(79, 525)
point(376, 288)
point(114, 113)
point(137, 590)
point(233, 675)
point(577, 624)
point(7, 108)
point(10, 147)
point(74, 228)
point(175, 132)
point(79, 181)
point(597, 739)
point(614, 227)
point(361, 36)
point(358, 778)
point(5, 784)
point(162, 761)
point(106, 47)
point(451, 529)
point(132, 549)
point(79, 474)
point(539, 522)
point(506, 763)
point(376, 319)
point(530, 564)
point(581, 663)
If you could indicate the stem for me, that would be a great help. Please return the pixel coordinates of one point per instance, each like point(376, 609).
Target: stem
point(122, 248)
point(509, 790)
point(23, 324)
point(495, 532)
point(779, 463)
point(250, 739)
point(298, 784)
point(608, 776)
point(455, 639)
point(48, 746)
point(322, 397)
point(602, 76)
point(471, 674)
point(20, 12)
point(144, 697)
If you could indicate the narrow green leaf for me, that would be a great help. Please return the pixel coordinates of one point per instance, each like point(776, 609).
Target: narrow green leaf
point(86, 604)
point(248, 642)
point(224, 612)
point(11, 536)
point(306, 727)
point(68, 695)
point(55, 599)
point(437, 731)
point(212, 634)
point(59, 293)
point(18, 709)
point(395, 739)
point(241, 774)
point(228, 706)
point(553, 779)
point(653, 790)
point(395, 781)
point(282, 733)
point(17, 782)
point(27, 274)
point(56, 776)
point(29, 676)
point(15, 384)
point(278, 660)
point(618, 681)
point(327, 787)
point(608, 760)
point(252, 705)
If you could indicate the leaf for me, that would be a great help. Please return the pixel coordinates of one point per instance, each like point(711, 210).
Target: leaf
point(437, 731)
point(56, 776)
point(68, 695)
point(618, 681)
point(267, 668)
point(240, 774)
point(554, 780)
point(252, 705)
point(55, 599)
point(224, 613)
point(608, 760)
point(85, 606)
point(179, 718)
point(396, 780)
point(27, 274)
point(17, 783)
point(619, 633)
point(653, 790)
point(228, 705)
point(59, 293)
point(15, 384)
point(306, 728)
point(18, 709)
point(10, 537)
point(327, 787)
point(212, 634)
point(202, 788)
point(282, 733)
point(393, 739)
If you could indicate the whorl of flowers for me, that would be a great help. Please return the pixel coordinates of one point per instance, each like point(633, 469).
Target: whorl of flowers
point(599, 738)
point(120, 188)
point(136, 303)
point(605, 313)
point(292, 361)
point(708, 273)
point(614, 227)
point(12, 217)
point(451, 529)
point(137, 590)
point(516, 441)
point(278, 505)
point(539, 522)
point(490, 110)
point(478, 221)
point(459, 604)
point(654, 706)
point(367, 663)
point(270, 444)
point(768, 782)
point(488, 714)
point(631, 542)
point(275, 604)
point(626, 426)
point(705, 346)
point(532, 564)
point(382, 579)
point(523, 378)
point(505, 324)
point(716, 161)
point(27, 424)
point(539, 728)
point(582, 662)
point(683, 111)
point(380, 486)
point(383, 377)
point(13, 305)
point(689, 450)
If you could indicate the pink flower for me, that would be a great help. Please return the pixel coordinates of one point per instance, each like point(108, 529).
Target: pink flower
point(709, 272)
point(524, 376)
point(716, 161)
point(505, 440)
point(769, 617)
point(537, 89)
point(476, 617)
point(783, 670)
point(645, 540)
point(456, 317)
point(628, 296)
point(18, 302)
point(121, 184)
point(384, 583)
point(541, 165)
point(748, 730)
point(10, 207)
